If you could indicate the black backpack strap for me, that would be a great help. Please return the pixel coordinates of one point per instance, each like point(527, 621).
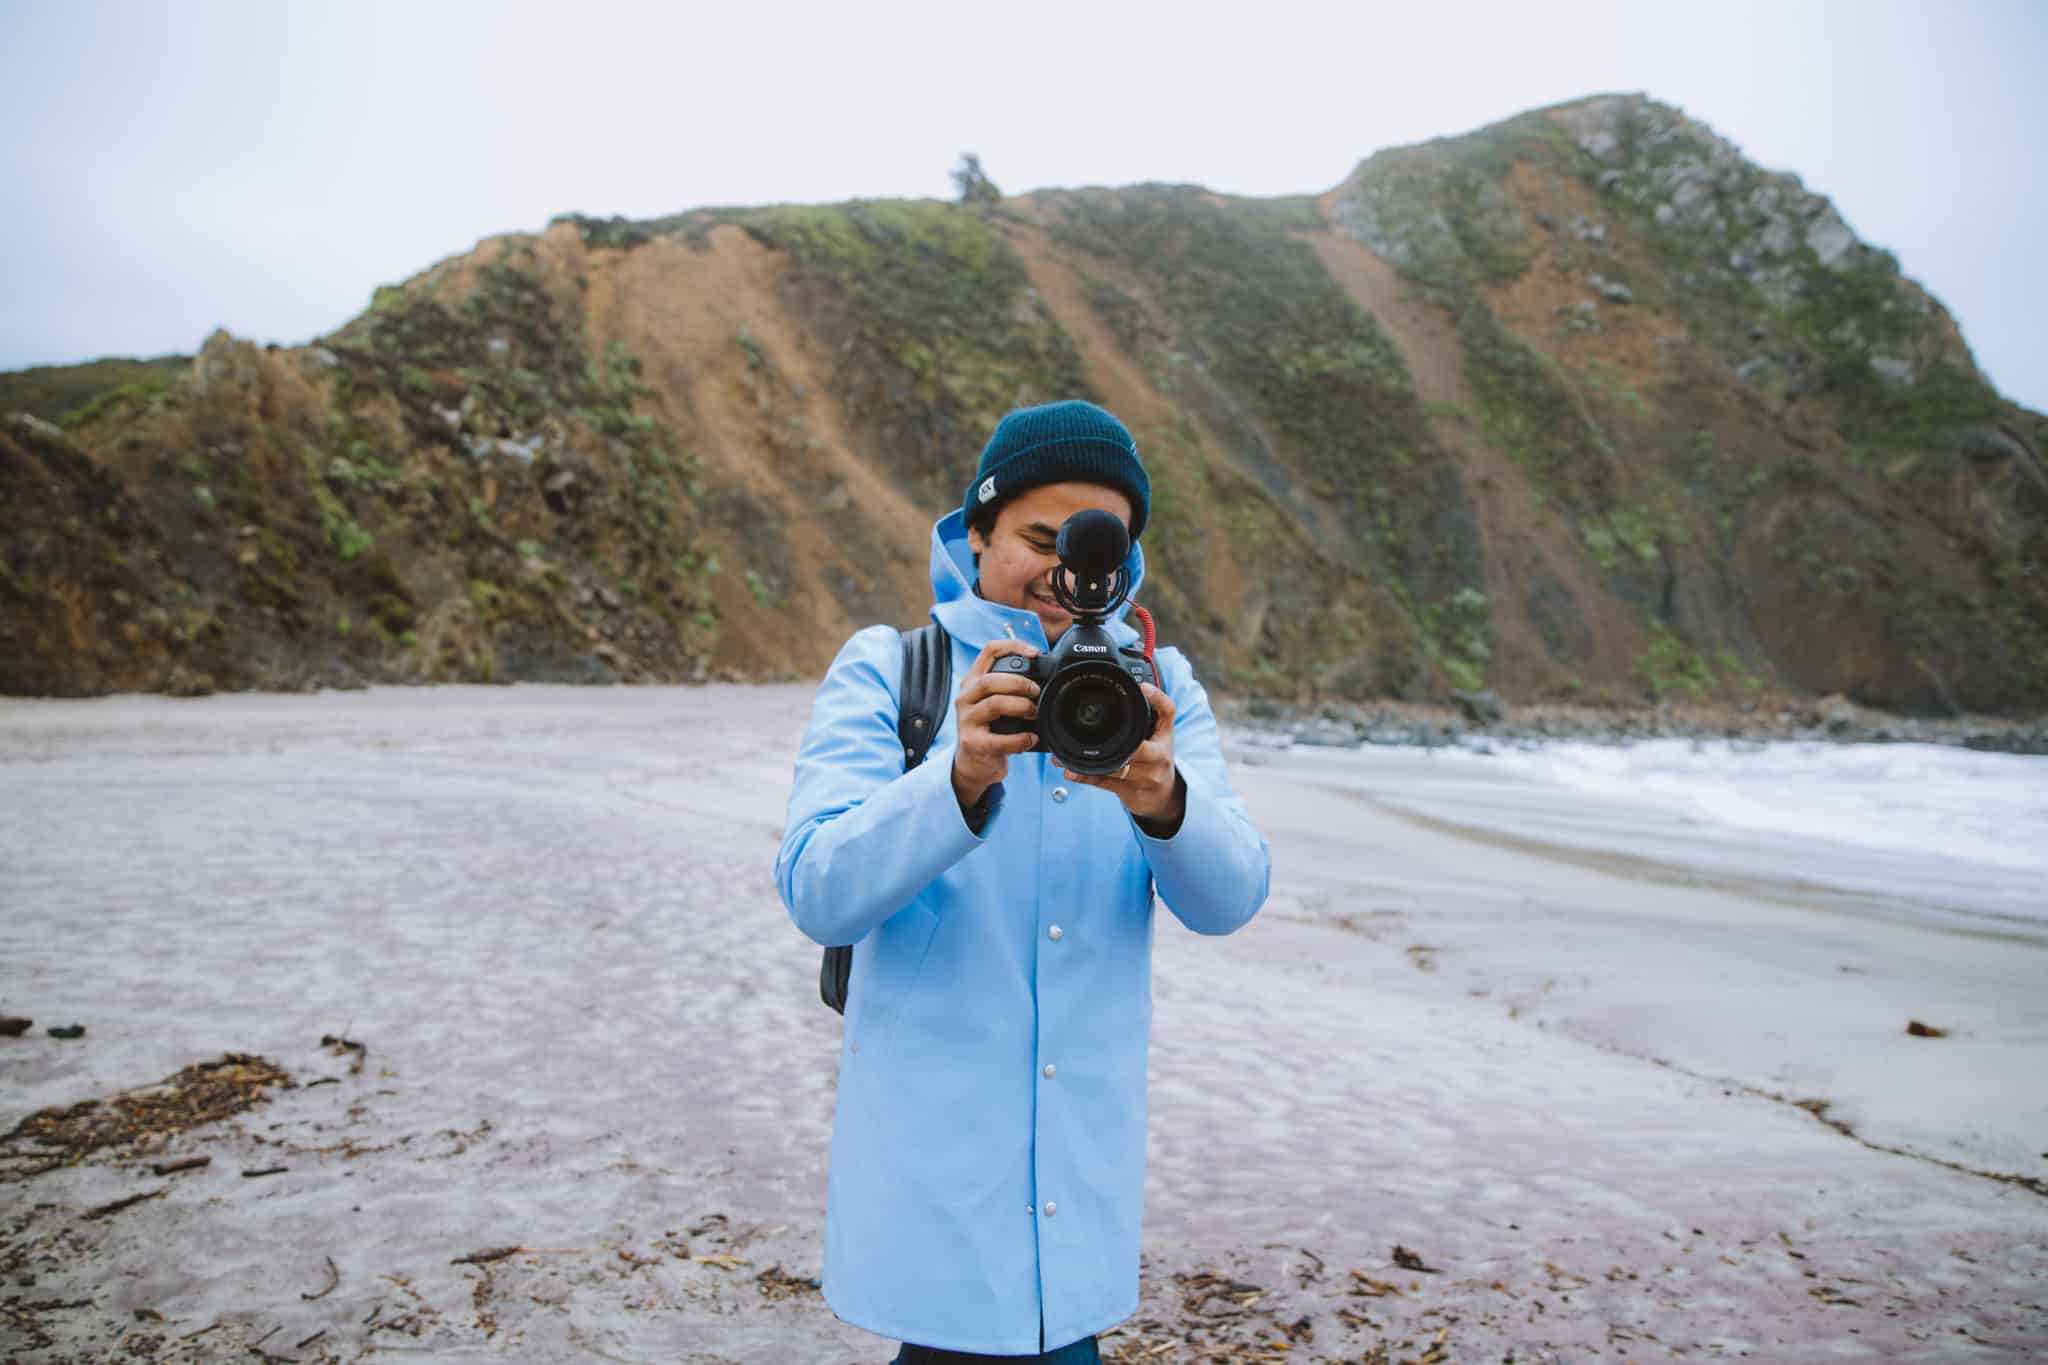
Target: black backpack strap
point(927, 688)
point(922, 699)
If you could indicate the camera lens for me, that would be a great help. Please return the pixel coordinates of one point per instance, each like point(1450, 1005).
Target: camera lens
point(1089, 711)
point(1084, 712)
point(1093, 714)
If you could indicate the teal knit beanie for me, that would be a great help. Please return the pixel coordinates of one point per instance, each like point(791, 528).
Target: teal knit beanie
point(1055, 443)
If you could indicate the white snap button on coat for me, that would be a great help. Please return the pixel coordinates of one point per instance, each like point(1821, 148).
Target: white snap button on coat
point(1031, 1208)
point(1059, 793)
point(1051, 1208)
point(1048, 1070)
point(1055, 933)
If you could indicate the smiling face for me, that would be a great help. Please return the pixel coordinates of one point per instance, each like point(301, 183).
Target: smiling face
point(1017, 556)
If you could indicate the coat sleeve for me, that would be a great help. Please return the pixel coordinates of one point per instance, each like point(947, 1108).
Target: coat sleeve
point(863, 837)
point(1214, 871)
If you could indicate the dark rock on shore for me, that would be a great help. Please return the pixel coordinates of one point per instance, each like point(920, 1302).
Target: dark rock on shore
point(1482, 716)
point(2019, 739)
point(1481, 708)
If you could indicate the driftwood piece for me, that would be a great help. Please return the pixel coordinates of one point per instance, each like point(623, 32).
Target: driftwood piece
point(1366, 1286)
point(333, 1279)
point(131, 1201)
point(190, 1163)
point(256, 1348)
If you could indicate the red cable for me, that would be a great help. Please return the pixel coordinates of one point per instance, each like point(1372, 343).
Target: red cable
point(1151, 636)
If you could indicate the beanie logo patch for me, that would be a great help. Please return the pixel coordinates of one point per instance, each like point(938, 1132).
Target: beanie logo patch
point(987, 491)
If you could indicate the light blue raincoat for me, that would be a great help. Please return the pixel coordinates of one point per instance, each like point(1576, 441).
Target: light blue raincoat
point(987, 1184)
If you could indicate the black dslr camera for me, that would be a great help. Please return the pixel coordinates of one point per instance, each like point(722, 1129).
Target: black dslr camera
point(1092, 713)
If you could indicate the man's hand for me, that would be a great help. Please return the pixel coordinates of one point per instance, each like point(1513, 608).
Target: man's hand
point(982, 757)
point(1150, 788)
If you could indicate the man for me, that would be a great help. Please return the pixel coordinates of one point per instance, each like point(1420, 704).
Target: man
point(986, 1191)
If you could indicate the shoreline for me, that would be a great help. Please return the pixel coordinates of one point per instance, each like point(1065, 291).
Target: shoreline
point(1793, 893)
point(1472, 717)
point(1796, 895)
point(1783, 983)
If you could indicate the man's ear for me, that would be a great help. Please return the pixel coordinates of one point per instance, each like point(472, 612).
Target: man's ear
point(976, 541)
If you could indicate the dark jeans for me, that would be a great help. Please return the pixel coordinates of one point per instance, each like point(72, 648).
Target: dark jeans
point(1080, 1352)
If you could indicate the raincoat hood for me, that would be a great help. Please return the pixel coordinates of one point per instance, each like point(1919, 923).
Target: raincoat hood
point(974, 620)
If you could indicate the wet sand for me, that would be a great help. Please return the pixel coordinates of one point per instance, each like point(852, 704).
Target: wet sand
point(1569, 1089)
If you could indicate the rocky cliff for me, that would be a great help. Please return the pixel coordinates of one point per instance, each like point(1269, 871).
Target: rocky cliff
point(1582, 406)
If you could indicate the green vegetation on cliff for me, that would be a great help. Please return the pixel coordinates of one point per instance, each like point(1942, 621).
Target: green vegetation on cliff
point(560, 489)
point(930, 307)
point(69, 394)
point(1265, 320)
point(1255, 340)
point(1810, 385)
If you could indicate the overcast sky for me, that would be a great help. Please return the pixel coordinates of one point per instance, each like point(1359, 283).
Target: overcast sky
point(262, 165)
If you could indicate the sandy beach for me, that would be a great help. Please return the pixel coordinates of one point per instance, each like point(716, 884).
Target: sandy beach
point(1462, 1092)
